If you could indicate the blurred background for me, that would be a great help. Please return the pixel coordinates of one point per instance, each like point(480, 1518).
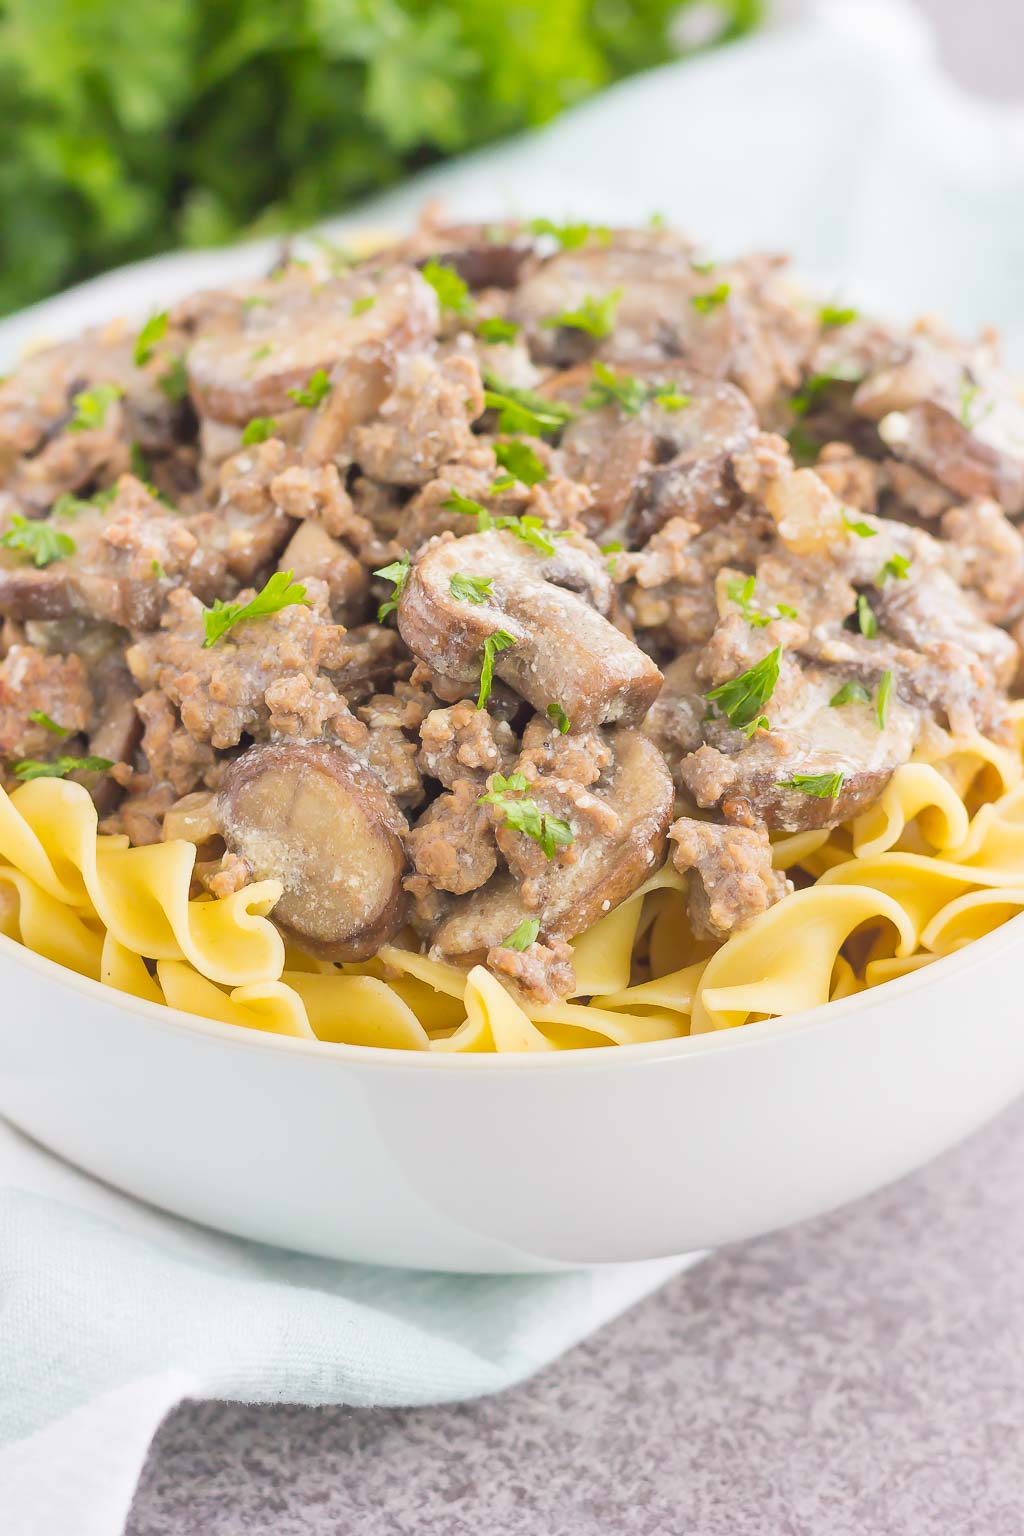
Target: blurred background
point(136, 128)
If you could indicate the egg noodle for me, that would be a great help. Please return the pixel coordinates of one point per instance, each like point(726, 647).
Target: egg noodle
point(937, 861)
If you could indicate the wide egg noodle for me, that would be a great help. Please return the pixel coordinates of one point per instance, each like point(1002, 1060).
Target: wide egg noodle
point(937, 862)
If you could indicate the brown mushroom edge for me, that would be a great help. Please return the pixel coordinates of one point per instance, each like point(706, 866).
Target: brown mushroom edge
point(313, 816)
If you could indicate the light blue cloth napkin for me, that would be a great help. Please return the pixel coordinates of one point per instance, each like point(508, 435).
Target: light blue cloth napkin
point(110, 1313)
point(840, 140)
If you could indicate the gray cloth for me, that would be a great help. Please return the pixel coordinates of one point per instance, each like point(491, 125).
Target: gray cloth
point(860, 1375)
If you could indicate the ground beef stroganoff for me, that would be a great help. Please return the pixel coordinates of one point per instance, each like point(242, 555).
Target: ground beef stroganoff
point(460, 587)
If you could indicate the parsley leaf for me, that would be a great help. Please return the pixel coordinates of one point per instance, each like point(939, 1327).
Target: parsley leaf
point(610, 388)
point(595, 316)
point(824, 786)
point(557, 714)
point(174, 383)
point(258, 430)
point(521, 462)
point(278, 592)
point(521, 410)
point(68, 506)
point(496, 329)
point(39, 539)
point(896, 566)
point(850, 693)
point(31, 768)
point(522, 936)
point(501, 640)
point(154, 330)
point(882, 699)
point(550, 832)
point(867, 621)
point(456, 502)
point(670, 398)
point(470, 589)
point(859, 527)
point(397, 572)
point(38, 717)
point(364, 305)
point(969, 392)
point(832, 315)
point(316, 387)
point(91, 406)
point(704, 303)
point(531, 530)
point(452, 290)
point(569, 236)
point(741, 697)
point(741, 592)
point(804, 448)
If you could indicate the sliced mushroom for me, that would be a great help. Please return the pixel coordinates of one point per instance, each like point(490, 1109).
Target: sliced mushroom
point(313, 816)
point(605, 871)
point(564, 650)
point(656, 461)
point(949, 412)
point(312, 551)
point(237, 375)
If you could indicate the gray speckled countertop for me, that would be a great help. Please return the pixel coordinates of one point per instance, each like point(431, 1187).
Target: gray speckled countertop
point(862, 1375)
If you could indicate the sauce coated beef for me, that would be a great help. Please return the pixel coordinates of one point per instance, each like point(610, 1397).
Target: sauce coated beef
point(460, 586)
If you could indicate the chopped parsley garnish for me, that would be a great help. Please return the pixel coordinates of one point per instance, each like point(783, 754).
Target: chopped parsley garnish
point(521, 462)
point(452, 290)
point(174, 382)
point(558, 716)
point(611, 388)
point(456, 502)
point(501, 640)
point(833, 315)
point(569, 236)
point(38, 717)
point(363, 305)
point(882, 699)
point(704, 267)
point(30, 768)
point(969, 392)
point(397, 572)
point(253, 300)
point(818, 383)
point(630, 393)
point(704, 303)
point(522, 936)
point(611, 549)
point(896, 566)
point(867, 621)
point(502, 483)
point(259, 353)
point(550, 832)
point(316, 387)
point(39, 539)
point(595, 316)
point(531, 530)
point(741, 592)
point(824, 786)
point(496, 329)
point(91, 406)
point(470, 589)
point(804, 448)
point(521, 410)
point(850, 693)
point(158, 571)
point(859, 527)
point(670, 398)
point(258, 430)
point(278, 592)
point(68, 506)
point(742, 698)
point(154, 330)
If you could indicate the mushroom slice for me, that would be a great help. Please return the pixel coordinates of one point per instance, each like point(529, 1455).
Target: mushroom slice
point(606, 868)
point(235, 376)
point(550, 606)
point(311, 815)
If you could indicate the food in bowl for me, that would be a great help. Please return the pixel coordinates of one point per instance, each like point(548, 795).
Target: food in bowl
point(524, 637)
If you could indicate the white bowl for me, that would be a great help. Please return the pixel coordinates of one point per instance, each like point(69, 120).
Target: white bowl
point(512, 1163)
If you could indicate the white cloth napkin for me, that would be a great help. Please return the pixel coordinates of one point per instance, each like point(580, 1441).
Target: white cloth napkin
point(840, 140)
